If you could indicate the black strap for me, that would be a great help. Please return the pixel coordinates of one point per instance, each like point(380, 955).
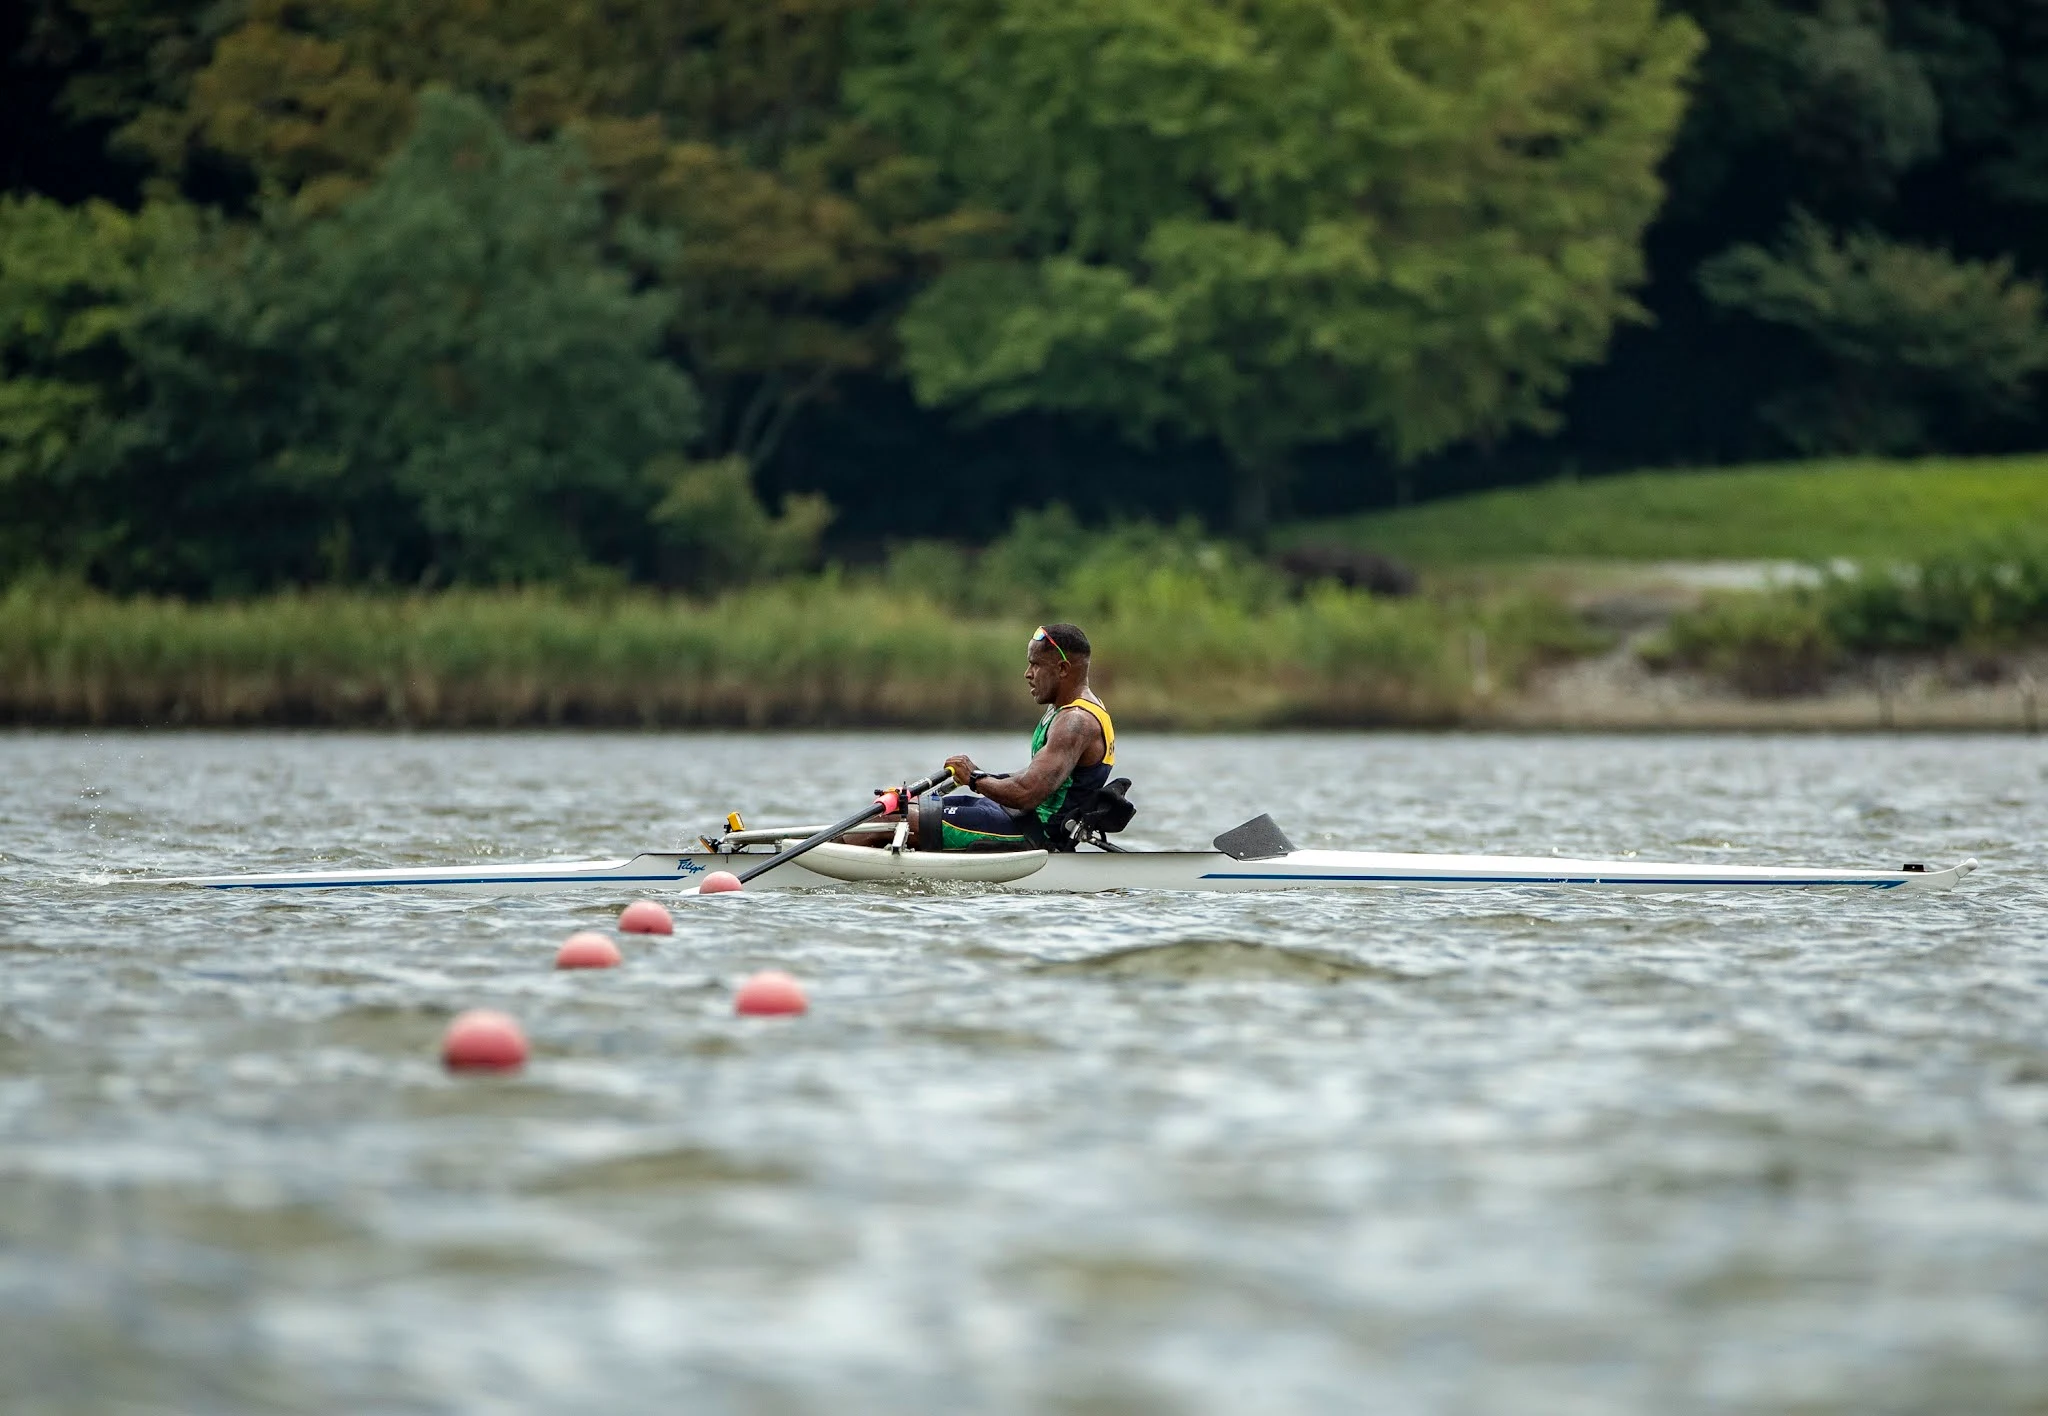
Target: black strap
point(931, 835)
point(1031, 828)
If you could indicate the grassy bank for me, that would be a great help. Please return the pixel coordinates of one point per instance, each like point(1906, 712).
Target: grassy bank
point(822, 652)
point(1976, 607)
point(1191, 634)
point(1858, 509)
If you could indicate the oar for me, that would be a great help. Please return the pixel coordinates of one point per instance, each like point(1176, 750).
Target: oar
point(883, 805)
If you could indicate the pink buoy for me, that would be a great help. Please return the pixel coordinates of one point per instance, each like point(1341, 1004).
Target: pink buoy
point(770, 993)
point(587, 949)
point(645, 917)
point(720, 882)
point(482, 1040)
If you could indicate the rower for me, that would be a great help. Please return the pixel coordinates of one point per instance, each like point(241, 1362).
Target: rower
point(1071, 754)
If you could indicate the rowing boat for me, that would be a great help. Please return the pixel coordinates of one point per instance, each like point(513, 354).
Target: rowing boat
point(1251, 857)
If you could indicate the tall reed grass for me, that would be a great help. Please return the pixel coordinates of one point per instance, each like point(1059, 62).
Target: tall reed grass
point(1173, 651)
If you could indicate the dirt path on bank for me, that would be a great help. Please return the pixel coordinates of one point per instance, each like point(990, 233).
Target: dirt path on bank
point(1615, 691)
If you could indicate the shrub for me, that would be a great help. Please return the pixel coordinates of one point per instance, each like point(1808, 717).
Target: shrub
point(717, 533)
point(1050, 567)
point(1995, 596)
point(1787, 641)
point(1766, 644)
point(1912, 336)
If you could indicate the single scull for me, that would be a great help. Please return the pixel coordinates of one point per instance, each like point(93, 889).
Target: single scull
point(1255, 856)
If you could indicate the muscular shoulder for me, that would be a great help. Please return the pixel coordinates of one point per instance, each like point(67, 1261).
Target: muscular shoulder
point(1076, 728)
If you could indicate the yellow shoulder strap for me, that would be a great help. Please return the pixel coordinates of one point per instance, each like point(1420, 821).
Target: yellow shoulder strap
point(1101, 715)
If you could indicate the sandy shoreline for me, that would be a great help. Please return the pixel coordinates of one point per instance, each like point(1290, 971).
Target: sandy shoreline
point(1615, 692)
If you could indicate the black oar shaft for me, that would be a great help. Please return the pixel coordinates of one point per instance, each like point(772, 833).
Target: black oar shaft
point(916, 789)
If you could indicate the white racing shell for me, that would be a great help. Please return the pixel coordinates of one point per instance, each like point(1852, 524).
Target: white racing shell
point(835, 866)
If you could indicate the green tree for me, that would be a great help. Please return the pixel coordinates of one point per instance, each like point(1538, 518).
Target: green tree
point(1923, 120)
point(451, 337)
point(1281, 222)
point(442, 376)
point(74, 282)
point(716, 533)
point(1910, 336)
point(1988, 63)
point(1820, 91)
point(788, 233)
point(1832, 104)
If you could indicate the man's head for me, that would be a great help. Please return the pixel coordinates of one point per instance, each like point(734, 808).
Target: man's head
point(1056, 665)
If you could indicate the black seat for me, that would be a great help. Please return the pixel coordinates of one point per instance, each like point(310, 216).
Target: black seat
point(1089, 816)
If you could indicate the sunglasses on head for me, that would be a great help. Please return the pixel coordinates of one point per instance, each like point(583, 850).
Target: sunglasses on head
point(1047, 638)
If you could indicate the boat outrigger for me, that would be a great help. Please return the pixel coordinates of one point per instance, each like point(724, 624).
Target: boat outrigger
point(1254, 856)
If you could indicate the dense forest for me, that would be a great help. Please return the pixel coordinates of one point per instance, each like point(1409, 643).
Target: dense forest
point(448, 291)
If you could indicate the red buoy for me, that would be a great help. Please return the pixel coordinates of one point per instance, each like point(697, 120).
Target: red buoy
point(587, 949)
point(483, 1040)
point(770, 993)
point(720, 882)
point(645, 917)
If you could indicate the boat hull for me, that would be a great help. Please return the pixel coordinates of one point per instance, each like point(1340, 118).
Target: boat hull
point(1085, 872)
point(866, 865)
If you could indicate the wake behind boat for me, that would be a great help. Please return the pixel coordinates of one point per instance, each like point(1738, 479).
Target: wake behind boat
point(1254, 856)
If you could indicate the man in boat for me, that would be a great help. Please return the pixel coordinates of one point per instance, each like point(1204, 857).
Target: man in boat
point(1071, 754)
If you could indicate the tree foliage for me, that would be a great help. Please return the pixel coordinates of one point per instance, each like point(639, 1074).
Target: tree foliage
point(1834, 105)
point(716, 531)
point(443, 376)
point(458, 339)
point(1908, 334)
point(787, 232)
point(1283, 222)
point(1149, 245)
point(74, 284)
point(1920, 122)
point(1819, 92)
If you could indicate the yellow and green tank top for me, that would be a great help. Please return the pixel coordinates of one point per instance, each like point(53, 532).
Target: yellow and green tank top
point(1086, 777)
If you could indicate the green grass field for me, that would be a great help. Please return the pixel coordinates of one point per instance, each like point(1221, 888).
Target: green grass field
point(1865, 509)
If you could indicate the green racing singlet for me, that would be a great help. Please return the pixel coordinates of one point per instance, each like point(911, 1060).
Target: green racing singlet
point(1089, 777)
point(975, 823)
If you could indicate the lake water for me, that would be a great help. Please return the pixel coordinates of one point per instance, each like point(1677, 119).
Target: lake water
point(1384, 1153)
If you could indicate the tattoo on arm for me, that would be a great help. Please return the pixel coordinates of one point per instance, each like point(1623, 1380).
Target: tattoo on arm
point(1070, 737)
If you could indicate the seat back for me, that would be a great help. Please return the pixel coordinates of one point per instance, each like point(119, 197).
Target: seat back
point(1090, 816)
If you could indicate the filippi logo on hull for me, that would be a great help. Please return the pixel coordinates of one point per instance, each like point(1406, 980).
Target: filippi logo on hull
point(686, 866)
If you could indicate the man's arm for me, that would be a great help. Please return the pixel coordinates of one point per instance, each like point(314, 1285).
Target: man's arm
point(1072, 734)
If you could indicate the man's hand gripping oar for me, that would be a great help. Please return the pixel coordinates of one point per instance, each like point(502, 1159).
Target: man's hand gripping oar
point(887, 802)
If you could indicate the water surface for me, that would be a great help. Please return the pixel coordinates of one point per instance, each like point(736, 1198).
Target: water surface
point(1510, 1152)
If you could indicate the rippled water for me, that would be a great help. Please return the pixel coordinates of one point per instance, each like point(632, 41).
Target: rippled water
point(1388, 1153)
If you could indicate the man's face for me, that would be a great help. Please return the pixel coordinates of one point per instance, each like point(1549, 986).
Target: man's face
point(1042, 671)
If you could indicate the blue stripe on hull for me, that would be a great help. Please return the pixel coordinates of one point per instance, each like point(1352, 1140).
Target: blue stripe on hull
point(1549, 880)
point(437, 880)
